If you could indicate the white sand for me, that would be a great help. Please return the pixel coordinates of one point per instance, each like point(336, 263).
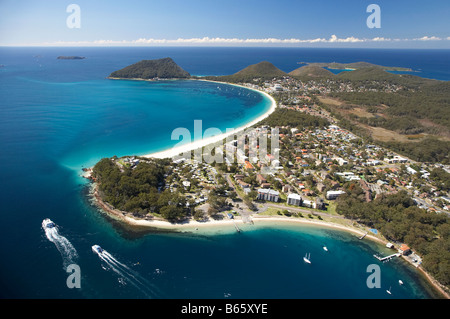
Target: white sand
point(174, 151)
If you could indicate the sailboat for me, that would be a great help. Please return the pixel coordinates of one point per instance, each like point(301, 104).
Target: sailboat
point(389, 291)
point(306, 258)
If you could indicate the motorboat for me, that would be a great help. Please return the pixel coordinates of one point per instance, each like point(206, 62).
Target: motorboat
point(325, 248)
point(48, 223)
point(306, 258)
point(97, 249)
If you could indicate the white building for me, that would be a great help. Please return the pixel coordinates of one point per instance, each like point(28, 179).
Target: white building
point(268, 194)
point(334, 194)
point(294, 199)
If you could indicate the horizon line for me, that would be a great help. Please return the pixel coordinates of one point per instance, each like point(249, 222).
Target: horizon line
point(232, 42)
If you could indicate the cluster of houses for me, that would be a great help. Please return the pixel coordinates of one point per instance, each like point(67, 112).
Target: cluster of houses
point(330, 156)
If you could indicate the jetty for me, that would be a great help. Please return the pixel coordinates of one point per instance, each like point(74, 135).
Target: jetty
point(362, 237)
point(236, 226)
point(387, 258)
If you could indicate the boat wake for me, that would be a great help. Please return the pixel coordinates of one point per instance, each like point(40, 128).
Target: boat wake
point(65, 248)
point(126, 274)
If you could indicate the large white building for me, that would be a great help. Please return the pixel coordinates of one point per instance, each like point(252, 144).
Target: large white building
point(268, 194)
point(294, 199)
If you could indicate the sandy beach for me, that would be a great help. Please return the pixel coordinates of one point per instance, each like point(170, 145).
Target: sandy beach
point(217, 138)
point(230, 225)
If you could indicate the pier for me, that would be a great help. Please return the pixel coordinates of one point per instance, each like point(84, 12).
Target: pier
point(387, 258)
point(362, 237)
point(236, 226)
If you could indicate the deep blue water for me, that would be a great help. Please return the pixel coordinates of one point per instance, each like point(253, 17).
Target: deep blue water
point(57, 116)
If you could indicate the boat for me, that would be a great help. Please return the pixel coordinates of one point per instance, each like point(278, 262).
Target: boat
point(400, 282)
point(325, 248)
point(97, 249)
point(48, 223)
point(306, 258)
point(389, 291)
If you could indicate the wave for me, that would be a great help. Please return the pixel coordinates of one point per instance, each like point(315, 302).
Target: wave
point(128, 275)
point(68, 252)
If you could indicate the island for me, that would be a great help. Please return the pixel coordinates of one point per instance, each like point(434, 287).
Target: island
point(72, 57)
point(349, 157)
point(150, 70)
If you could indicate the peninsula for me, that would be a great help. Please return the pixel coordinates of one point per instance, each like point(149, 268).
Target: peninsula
point(356, 66)
point(328, 169)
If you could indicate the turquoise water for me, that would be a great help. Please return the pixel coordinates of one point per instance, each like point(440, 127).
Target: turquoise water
point(58, 116)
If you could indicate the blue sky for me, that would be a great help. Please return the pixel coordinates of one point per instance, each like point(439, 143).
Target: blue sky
point(340, 23)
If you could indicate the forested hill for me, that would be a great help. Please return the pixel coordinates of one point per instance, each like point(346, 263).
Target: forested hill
point(149, 69)
point(262, 70)
point(307, 72)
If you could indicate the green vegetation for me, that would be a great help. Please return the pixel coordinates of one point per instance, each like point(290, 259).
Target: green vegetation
point(357, 65)
point(136, 190)
point(308, 72)
point(396, 217)
point(441, 179)
point(431, 150)
point(148, 69)
point(431, 101)
point(263, 71)
point(292, 118)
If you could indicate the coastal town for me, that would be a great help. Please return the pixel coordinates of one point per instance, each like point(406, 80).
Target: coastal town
point(309, 170)
point(301, 176)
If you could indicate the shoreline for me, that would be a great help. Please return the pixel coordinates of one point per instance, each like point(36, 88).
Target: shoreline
point(174, 151)
point(192, 225)
point(193, 145)
point(215, 226)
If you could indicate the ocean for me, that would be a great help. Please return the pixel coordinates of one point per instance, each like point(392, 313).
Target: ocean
point(58, 116)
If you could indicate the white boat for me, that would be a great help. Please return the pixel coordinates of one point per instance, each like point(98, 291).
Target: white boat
point(325, 248)
point(97, 249)
point(48, 223)
point(400, 282)
point(389, 291)
point(306, 258)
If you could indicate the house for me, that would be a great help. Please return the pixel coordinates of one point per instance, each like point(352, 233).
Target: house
point(243, 184)
point(334, 194)
point(320, 187)
point(320, 204)
point(260, 179)
point(287, 188)
point(404, 249)
point(268, 194)
point(249, 166)
point(294, 199)
point(396, 159)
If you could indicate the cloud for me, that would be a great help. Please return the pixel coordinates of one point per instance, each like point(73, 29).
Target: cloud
point(427, 38)
point(234, 41)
